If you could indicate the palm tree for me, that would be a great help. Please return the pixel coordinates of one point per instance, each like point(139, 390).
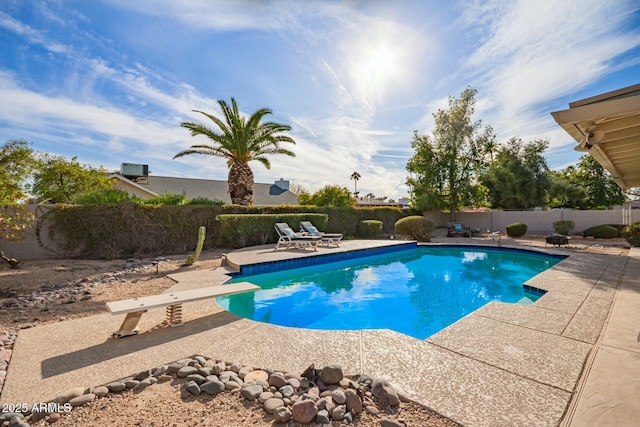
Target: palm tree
point(240, 140)
point(355, 177)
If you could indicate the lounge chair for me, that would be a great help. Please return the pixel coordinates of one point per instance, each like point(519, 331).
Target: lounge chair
point(456, 229)
point(290, 238)
point(327, 238)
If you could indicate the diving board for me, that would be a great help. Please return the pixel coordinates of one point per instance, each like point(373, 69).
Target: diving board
point(136, 307)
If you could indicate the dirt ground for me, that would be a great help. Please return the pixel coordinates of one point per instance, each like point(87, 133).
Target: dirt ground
point(37, 277)
point(159, 405)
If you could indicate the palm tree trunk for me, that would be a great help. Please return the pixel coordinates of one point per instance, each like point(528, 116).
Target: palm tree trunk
point(240, 182)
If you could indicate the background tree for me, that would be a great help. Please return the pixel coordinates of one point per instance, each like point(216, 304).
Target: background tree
point(296, 188)
point(563, 192)
point(329, 195)
point(16, 164)
point(445, 165)
point(240, 141)
point(58, 180)
point(518, 177)
point(600, 189)
point(355, 177)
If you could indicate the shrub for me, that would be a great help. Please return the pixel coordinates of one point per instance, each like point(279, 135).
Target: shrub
point(517, 229)
point(108, 231)
point(102, 197)
point(564, 227)
point(241, 230)
point(621, 228)
point(205, 201)
point(634, 234)
point(166, 199)
point(415, 227)
point(370, 228)
point(601, 232)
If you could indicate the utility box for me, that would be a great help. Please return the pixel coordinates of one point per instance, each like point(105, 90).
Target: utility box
point(133, 170)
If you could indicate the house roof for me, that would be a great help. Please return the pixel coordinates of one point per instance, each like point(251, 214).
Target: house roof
point(617, 114)
point(263, 194)
point(367, 202)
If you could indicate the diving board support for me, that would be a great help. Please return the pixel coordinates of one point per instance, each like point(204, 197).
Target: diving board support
point(136, 307)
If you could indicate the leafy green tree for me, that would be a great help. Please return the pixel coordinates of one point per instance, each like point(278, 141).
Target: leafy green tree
point(329, 195)
point(240, 140)
point(59, 180)
point(600, 188)
point(443, 171)
point(518, 178)
point(16, 164)
point(585, 185)
point(355, 177)
point(563, 191)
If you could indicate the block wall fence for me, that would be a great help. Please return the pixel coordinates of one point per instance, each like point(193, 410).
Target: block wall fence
point(538, 222)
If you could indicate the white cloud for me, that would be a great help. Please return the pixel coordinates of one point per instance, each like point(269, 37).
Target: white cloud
point(223, 15)
point(34, 36)
point(535, 52)
point(353, 81)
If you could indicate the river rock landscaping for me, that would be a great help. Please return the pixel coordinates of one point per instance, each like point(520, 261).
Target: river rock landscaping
point(314, 397)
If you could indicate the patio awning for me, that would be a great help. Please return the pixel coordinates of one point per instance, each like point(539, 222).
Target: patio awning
point(607, 126)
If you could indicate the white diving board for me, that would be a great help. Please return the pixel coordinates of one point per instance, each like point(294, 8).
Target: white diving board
point(135, 307)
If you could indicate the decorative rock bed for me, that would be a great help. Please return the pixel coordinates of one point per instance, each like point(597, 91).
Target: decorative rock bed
point(6, 348)
point(320, 396)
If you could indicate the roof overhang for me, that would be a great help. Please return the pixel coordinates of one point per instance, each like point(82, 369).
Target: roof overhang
point(145, 191)
point(617, 114)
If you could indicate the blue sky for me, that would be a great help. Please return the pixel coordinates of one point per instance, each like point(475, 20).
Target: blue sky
point(109, 81)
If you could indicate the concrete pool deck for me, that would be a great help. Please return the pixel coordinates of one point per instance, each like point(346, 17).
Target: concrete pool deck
point(574, 352)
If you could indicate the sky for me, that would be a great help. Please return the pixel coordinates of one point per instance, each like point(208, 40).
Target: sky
point(110, 81)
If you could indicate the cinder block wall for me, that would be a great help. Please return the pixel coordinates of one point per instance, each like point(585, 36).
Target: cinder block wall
point(538, 222)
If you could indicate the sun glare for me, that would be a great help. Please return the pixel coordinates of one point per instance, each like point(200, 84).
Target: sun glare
point(379, 63)
point(374, 67)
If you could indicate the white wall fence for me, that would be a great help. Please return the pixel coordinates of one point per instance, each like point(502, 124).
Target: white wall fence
point(538, 222)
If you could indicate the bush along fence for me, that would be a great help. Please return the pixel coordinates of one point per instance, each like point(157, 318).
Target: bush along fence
point(109, 231)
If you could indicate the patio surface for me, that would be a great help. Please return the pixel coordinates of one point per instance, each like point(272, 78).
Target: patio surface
point(501, 365)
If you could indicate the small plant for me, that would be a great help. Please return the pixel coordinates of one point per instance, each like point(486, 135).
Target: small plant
point(202, 232)
point(205, 201)
point(415, 227)
point(517, 229)
point(167, 199)
point(634, 234)
point(102, 197)
point(370, 228)
point(564, 227)
point(601, 232)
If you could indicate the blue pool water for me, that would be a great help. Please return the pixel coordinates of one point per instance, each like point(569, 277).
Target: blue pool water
point(416, 291)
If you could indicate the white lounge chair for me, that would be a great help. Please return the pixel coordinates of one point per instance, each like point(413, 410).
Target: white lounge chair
point(327, 238)
point(290, 238)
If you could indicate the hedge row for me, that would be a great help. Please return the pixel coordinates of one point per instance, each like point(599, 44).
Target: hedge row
point(241, 230)
point(121, 230)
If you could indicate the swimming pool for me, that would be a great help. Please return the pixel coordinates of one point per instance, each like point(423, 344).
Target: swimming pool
point(416, 291)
